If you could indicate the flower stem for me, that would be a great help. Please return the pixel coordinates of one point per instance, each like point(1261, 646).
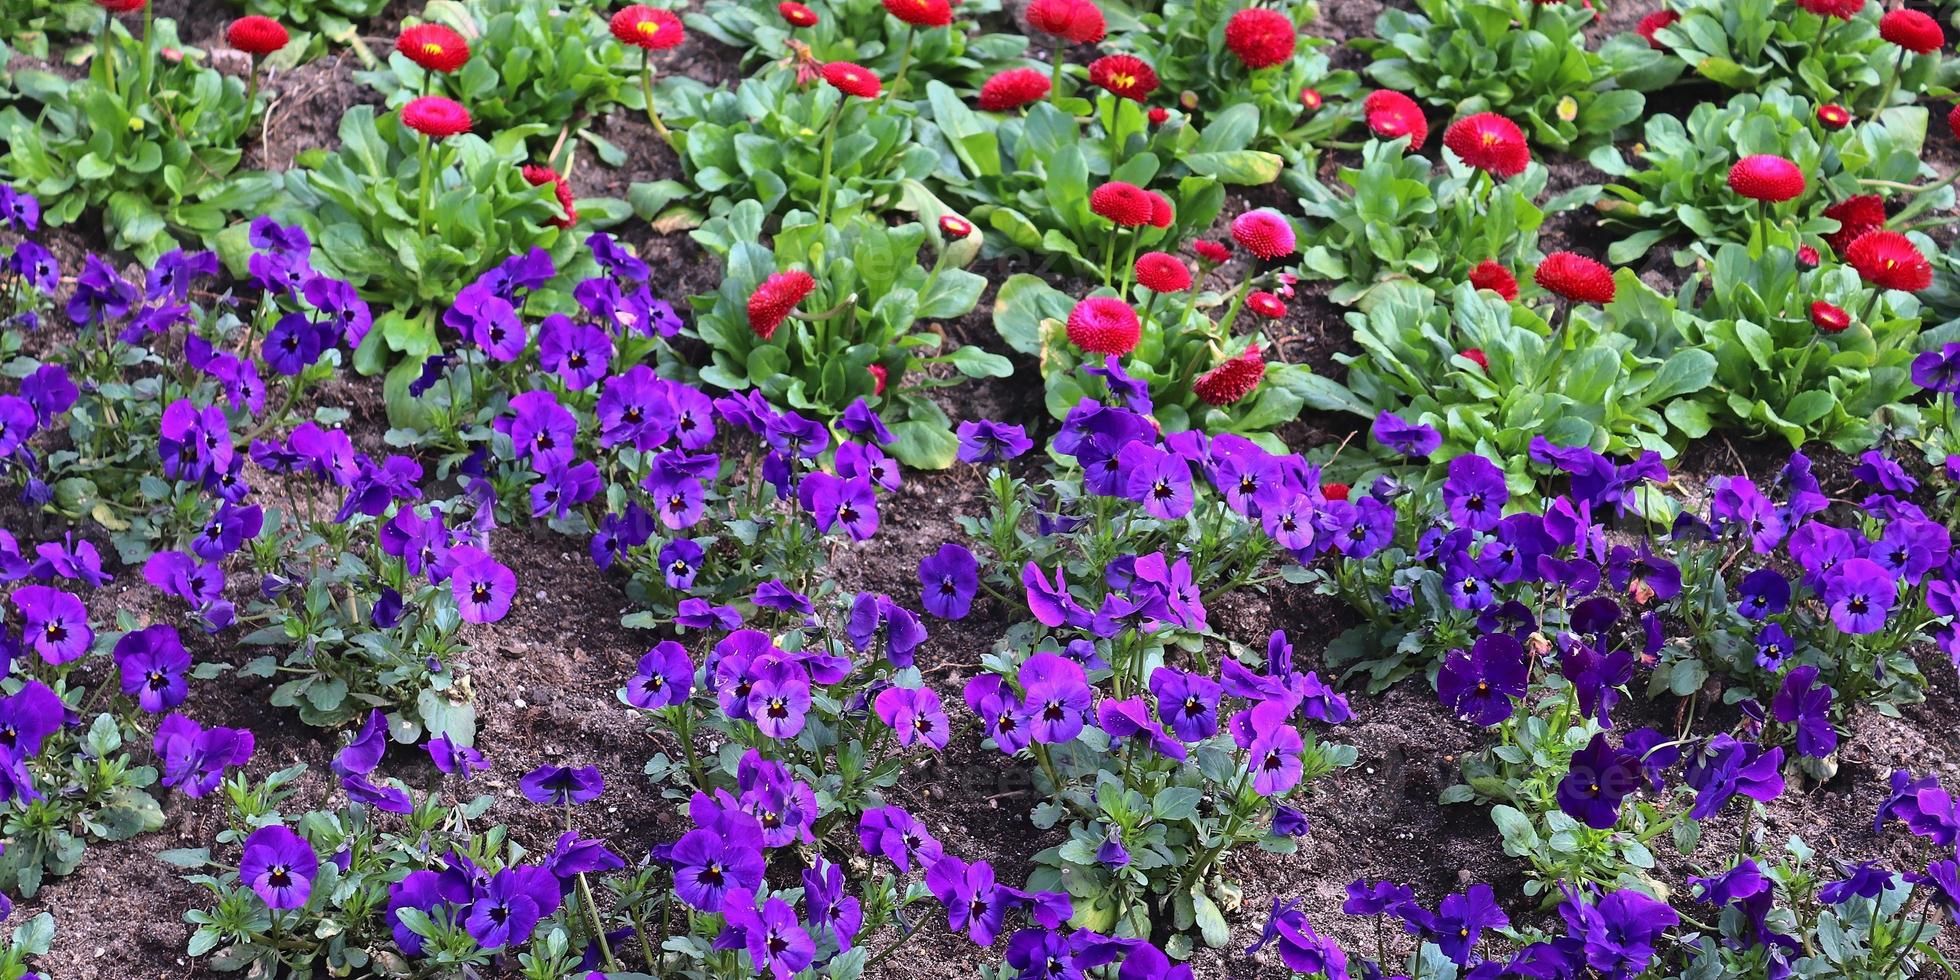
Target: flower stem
point(829, 141)
point(422, 210)
point(904, 62)
point(1055, 82)
point(1238, 300)
point(598, 928)
point(102, 47)
point(646, 95)
point(1891, 84)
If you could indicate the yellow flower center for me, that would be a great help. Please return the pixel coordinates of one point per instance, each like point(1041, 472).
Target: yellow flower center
point(1123, 81)
point(650, 27)
point(432, 49)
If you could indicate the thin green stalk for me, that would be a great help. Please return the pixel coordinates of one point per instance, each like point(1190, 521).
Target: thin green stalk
point(1238, 300)
point(598, 928)
point(1055, 82)
point(422, 209)
point(149, 50)
point(1891, 84)
point(829, 141)
point(103, 49)
point(904, 62)
point(646, 93)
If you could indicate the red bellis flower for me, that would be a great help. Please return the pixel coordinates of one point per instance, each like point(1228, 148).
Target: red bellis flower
point(1310, 99)
point(1261, 37)
point(1833, 116)
point(538, 176)
point(1013, 89)
point(1126, 204)
point(1953, 122)
point(1855, 216)
point(1575, 278)
point(1652, 24)
point(1392, 115)
point(853, 79)
point(1828, 318)
point(1265, 304)
point(256, 36)
point(1889, 260)
point(921, 13)
point(1808, 257)
point(1158, 115)
point(879, 375)
point(1488, 274)
point(436, 117)
point(1162, 211)
point(1766, 177)
point(1264, 232)
point(1912, 30)
point(1232, 380)
point(1123, 75)
point(1212, 252)
point(1104, 325)
point(121, 6)
point(1162, 272)
point(772, 302)
point(954, 226)
point(646, 27)
point(796, 15)
point(434, 47)
point(1074, 21)
point(1475, 355)
point(1489, 142)
point(1335, 491)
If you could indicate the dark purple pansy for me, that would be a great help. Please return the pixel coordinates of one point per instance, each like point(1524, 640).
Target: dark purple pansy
point(1478, 685)
point(562, 785)
point(280, 866)
point(154, 663)
point(1600, 777)
point(948, 579)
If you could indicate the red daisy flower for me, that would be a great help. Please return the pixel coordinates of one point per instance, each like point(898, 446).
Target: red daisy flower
point(1766, 177)
point(647, 27)
point(1232, 380)
point(796, 14)
point(1013, 88)
point(434, 47)
point(954, 226)
point(436, 117)
point(121, 6)
point(1489, 142)
point(1912, 30)
point(538, 176)
point(1261, 37)
point(1808, 257)
point(1162, 272)
point(1490, 275)
point(1889, 260)
point(1210, 251)
point(1392, 115)
point(1310, 99)
point(1158, 115)
point(1652, 23)
point(256, 36)
point(1834, 116)
point(1855, 216)
point(853, 79)
point(1104, 325)
point(1265, 304)
point(1263, 232)
point(1953, 122)
point(1830, 319)
point(921, 13)
point(1575, 277)
point(1335, 491)
point(1841, 9)
point(772, 302)
point(1077, 21)
point(879, 375)
point(1162, 211)
point(1476, 356)
point(1124, 75)
point(1126, 204)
